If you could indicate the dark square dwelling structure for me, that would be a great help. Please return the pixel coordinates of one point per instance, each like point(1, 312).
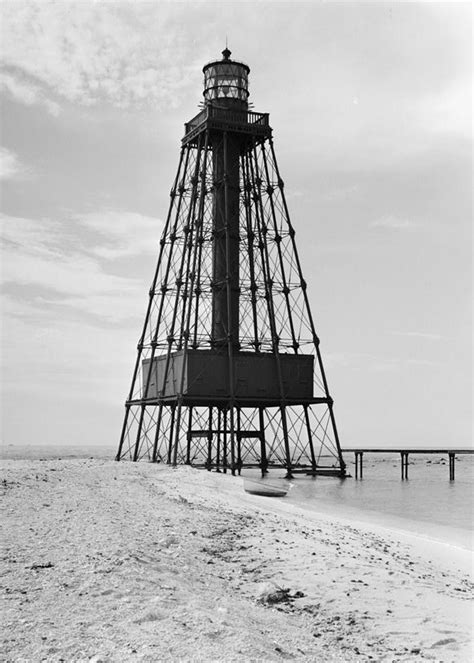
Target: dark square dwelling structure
point(229, 372)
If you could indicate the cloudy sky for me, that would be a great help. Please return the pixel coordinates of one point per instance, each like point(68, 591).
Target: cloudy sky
point(371, 109)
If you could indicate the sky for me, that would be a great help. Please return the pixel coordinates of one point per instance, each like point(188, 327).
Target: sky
point(370, 105)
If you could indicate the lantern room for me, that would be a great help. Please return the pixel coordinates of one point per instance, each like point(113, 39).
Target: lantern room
point(226, 81)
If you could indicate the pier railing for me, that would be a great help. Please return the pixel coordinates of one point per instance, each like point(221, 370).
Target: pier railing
point(404, 453)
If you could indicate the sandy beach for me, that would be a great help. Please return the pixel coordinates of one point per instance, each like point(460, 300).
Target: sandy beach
point(107, 561)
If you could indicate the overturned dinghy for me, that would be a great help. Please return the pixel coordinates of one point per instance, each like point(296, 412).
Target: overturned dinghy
point(267, 488)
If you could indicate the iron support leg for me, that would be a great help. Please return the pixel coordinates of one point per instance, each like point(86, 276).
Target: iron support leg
point(310, 439)
point(171, 431)
point(157, 433)
point(177, 430)
point(232, 440)
point(239, 443)
point(209, 442)
point(289, 465)
point(139, 432)
point(188, 442)
point(218, 447)
point(224, 444)
point(263, 451)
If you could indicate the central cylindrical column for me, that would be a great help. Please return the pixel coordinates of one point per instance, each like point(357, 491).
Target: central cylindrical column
point(225, 302)
point(225, 96)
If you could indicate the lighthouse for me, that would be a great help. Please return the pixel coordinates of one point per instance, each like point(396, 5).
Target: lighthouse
point(229, 372)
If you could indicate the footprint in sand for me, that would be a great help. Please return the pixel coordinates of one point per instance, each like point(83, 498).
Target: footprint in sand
point(149, 617)
point(444, 641)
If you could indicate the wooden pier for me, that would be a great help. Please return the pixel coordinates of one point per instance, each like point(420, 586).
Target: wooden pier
point(404, 453)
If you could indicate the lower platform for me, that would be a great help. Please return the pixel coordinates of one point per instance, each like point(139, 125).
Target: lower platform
point(296, 438)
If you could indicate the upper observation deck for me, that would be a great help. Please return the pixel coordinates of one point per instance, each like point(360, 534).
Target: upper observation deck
point(224, 119)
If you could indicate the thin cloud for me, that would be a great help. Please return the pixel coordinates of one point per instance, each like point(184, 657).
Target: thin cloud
point(417, 334)
point(374, 363)
point(341, 193)
point(71, 263)
point(10, 165)
point(93, 52)
point(423, 362)
point(27, 92)
point(55, 348)
point(393, 222)
point(449, 111)
point(385, 366)
point(122, 234)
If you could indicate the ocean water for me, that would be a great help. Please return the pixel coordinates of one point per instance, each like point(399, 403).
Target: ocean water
point(428, 503)
point(50, 451)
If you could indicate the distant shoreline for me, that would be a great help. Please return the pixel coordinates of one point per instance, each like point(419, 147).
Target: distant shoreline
point(36, 450)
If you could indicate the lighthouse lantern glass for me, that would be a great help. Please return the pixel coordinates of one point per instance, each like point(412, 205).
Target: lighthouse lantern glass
point(226, 80)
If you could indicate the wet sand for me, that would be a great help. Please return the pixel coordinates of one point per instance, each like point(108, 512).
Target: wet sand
point(108, 561)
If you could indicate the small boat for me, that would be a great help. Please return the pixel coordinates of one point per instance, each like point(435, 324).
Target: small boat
point(267, 488)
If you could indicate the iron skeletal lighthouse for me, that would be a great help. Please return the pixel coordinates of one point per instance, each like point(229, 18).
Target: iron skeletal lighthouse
point(228, 371)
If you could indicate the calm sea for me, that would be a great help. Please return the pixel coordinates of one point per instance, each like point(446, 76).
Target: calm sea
point(427, 503)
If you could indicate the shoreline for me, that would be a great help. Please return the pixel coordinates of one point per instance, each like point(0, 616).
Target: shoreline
point(111, 561)
point(438, 549)
point(418, 532)
point(459, 540)
point(455, 535)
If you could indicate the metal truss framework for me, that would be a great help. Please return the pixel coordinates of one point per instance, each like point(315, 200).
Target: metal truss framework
point(274, 318)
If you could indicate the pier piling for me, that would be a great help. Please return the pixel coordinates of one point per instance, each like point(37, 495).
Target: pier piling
point(358, 464)
point(404, 464)
point(451, 466)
